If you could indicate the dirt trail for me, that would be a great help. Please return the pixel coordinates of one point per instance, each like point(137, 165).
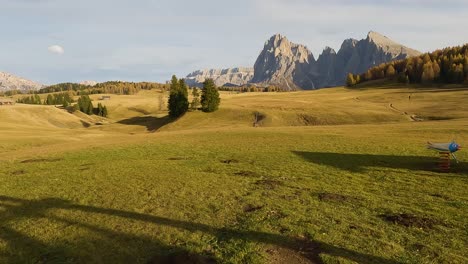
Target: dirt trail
point(414, 118)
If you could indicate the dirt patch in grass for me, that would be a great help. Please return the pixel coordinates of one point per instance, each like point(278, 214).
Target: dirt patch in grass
point(252, 208)
point(334, 197)
point(18, 172)
point(247, 174)
point(301, 252)
point(441, 196)
point(410, 220)
point(40, 160)
point(183, 258)
point(269, 184)
point(230, 161)
point(178, 158)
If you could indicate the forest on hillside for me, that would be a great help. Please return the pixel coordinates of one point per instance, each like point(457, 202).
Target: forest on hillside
point(113, 87)
point(446, 66)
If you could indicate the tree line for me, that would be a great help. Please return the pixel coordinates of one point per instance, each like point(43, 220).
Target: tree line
point(112, 87)
point(179, 104)
point(84, 103)
point(449, 65)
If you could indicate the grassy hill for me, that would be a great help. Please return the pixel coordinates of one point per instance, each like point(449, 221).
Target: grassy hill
point(334, 176)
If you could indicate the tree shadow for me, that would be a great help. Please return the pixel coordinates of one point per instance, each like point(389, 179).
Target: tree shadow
point(26, 248)
point(359, 162)
point(151, 123)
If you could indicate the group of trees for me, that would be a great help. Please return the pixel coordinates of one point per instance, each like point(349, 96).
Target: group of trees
point(85, 105)
point(113, 87)
point(101, 110)
point(179, 102)
point(33, 99)
point(59, 99)
point(449, 65)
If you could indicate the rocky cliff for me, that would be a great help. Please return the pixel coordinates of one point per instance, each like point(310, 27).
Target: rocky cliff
point(222, 77)
point(11, 82)
point(292, 66)
point(283, 63)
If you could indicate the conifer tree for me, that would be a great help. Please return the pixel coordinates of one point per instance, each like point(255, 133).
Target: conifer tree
point(178, 98)
point(350, 80)
point(390, 71)
point(210, 96)
point(195, 99)
point(104, 111)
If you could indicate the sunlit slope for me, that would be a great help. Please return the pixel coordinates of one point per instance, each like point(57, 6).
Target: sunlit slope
point(42, 117)
point(336, 106)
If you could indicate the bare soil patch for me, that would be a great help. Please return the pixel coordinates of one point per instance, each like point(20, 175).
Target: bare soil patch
point(183, 258)
point(40, 160)
point(230, 161)
point(252, 208)
point(246, 174)
point(410, 220)
point(301, 252)
point(18, 172)
point(334, 197)
point(269, 184)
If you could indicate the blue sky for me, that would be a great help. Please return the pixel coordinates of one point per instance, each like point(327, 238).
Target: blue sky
point(149, 40)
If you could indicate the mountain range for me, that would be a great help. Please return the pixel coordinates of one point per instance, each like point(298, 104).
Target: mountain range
point(292, 66)
point(12, 82)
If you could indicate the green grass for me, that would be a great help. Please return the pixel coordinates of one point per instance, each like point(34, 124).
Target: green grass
point(231, 195)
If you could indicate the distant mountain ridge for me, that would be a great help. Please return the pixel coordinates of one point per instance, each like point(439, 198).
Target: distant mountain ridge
point(11, 82)
point(290, 65)
point(222, 77)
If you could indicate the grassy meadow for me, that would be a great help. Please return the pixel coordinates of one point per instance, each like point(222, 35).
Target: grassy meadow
point(330, 176)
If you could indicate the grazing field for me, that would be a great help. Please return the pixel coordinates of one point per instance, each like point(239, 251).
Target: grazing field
point(330, 176)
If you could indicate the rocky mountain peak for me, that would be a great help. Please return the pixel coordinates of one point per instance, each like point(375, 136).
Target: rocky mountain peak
point(349, 43)
point(222, 77)
point(390, 46)
point(11, 82)
point(291, 65)
point(280, 61)
point(328, 50)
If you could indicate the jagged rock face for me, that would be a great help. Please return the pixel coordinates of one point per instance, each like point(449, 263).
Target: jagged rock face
point(11, 82)
point(89, 83)
point(222, 77)
point(283, 63)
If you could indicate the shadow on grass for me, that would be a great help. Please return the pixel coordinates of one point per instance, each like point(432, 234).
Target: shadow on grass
point(151, 123)
point(359, 162)
point(22, 247)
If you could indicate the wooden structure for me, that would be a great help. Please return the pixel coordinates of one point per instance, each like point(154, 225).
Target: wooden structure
point(444, 161)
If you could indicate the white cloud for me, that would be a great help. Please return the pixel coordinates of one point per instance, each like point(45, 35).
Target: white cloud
point(56, 49)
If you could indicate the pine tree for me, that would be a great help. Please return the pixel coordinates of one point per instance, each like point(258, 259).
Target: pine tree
point(350, 80)
point(195, 99)
point(36, 99)
point(428, 73)
point(178, 98)
point(390, 71)
point(210, 96)
point(104, 111)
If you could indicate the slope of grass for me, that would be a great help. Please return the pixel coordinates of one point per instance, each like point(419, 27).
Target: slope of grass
point(208, 187)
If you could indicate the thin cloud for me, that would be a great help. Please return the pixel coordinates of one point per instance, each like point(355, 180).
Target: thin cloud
point(56, 49)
